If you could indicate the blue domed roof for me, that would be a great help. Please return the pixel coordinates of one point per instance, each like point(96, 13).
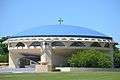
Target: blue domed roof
point(60, 30)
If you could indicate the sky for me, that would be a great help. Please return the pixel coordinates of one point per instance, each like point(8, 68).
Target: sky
point(99, 15)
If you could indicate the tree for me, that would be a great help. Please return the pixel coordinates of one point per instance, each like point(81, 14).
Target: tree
point(116, 57)
point(3, 39)
point(90, 58)
point(3, 51)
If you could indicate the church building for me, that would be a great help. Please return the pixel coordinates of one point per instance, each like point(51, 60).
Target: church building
point(47, 46)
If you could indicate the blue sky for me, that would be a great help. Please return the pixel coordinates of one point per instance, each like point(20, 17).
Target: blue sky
point(99, 15)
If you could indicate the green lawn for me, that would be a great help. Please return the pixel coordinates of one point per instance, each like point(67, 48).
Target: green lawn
point(62, 76)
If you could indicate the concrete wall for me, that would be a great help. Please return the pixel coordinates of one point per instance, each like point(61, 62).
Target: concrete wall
point(58, 60)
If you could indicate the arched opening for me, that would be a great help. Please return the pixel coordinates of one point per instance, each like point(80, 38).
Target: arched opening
point(95, 44)
point(20, 44)
point(77, 44)
point(107, 45)
point(57, 43)
point(23, 62)
point(35, 44)
point(29, 60)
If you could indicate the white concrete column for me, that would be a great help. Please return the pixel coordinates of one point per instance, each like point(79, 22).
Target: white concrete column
point(44, 55)
point(68, 43)
point(102, 44)
point(14, 59)
point(11, 63)
point(87, 44)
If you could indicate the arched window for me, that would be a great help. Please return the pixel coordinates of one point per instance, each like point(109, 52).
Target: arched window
point(57, 43)
point(64, 39)
point(10, 45)
point(20, 44)
point(107, 45)
point(48, 39)
point(77, 44)
point(71, 38)
point(46, 43)
point(79, 39)
point(56, 38)
point(95, 44)
point(36, 43)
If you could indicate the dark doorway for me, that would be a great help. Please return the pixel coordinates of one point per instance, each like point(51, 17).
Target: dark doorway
point(24, 62)
point(28, 60)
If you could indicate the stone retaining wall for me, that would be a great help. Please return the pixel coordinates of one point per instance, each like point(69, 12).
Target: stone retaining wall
point(70, 69)
point(95, 69)
point(17, 70)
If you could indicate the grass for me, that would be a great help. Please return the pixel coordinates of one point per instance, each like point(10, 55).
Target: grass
point(62, 76)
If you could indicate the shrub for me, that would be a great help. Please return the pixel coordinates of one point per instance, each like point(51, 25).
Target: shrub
point(3, 58)
point(117, 59)
point(89, 58)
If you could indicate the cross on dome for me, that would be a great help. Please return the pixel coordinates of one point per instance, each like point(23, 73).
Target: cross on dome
point(60, 21)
